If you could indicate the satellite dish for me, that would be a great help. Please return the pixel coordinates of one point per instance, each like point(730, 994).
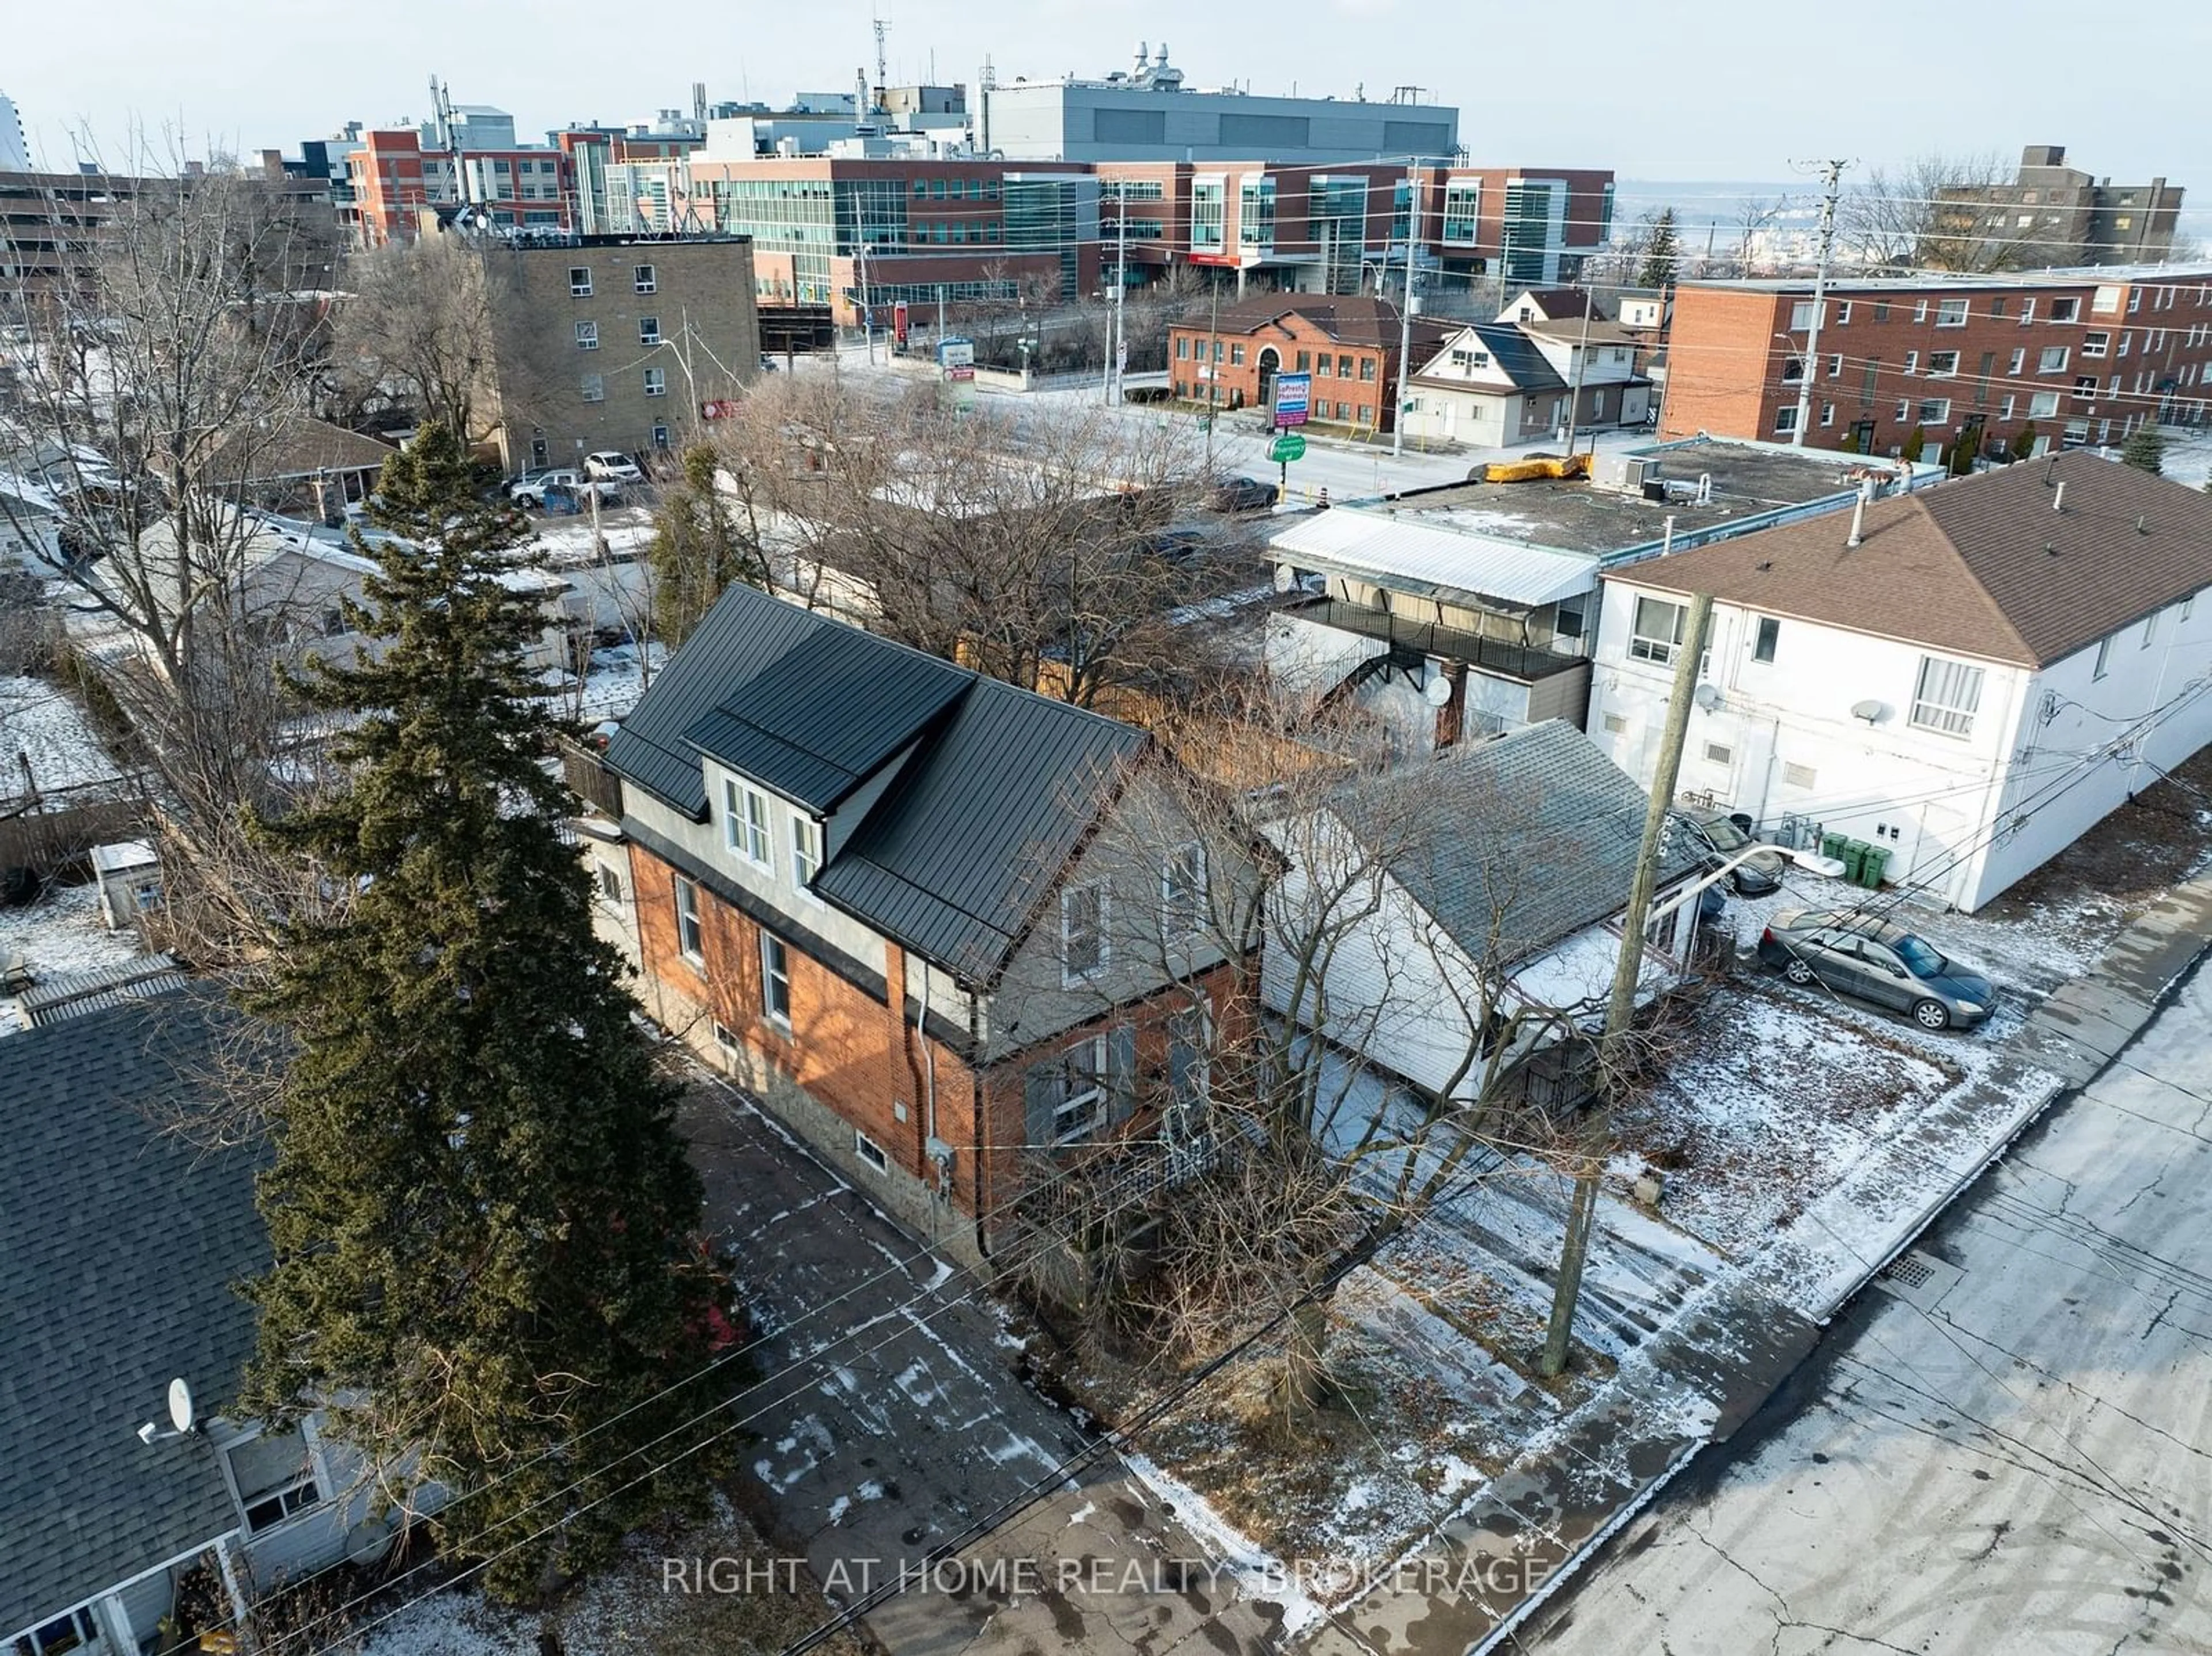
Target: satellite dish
point(1437, 691)
point(181, 1415)
point(1872, 712)
point(1706, 696)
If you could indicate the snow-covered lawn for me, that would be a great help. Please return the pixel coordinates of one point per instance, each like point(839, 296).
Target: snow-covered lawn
point(43, 723)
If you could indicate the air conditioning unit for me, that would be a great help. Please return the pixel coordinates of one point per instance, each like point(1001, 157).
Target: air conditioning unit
point(1623, 474)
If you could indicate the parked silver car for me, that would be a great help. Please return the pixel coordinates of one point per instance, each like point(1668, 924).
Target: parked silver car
point(1857, 954)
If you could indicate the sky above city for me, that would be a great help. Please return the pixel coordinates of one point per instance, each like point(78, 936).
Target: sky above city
point(1691, 89)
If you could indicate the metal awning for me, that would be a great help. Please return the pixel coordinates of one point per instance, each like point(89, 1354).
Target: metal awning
point(1447, 564)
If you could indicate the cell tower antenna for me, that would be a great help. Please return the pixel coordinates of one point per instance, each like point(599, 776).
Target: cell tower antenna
point(883, 72)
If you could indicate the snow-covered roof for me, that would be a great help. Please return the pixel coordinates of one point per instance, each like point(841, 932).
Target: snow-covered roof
point(1441, 563)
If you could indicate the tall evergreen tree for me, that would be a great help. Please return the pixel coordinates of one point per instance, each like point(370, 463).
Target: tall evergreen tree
point(481, 1212)
point(1663, 253)
point(2145, 449)
point(698, 549)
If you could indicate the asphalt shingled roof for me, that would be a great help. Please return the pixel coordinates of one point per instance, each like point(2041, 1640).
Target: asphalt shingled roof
point(952, 859)
point(1998, 565)
point(121, 1243)
point(1515, 844)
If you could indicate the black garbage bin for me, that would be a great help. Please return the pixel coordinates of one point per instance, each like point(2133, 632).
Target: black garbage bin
point(1743, 821)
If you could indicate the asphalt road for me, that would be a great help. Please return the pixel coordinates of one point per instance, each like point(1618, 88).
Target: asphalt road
point(2012, 1455)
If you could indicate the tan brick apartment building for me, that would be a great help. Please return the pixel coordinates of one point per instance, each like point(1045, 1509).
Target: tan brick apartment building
point(1349, 344)
point(2085, 355)
point(608, 342)
point(941, 925)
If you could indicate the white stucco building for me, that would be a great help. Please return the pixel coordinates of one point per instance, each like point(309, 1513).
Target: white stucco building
point(1989, 669)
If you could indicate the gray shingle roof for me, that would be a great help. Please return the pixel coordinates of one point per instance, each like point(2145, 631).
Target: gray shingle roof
point(120, 1245)
point(1515, 844)
point(953, 858)
point(1984, 567)
point(806, 705)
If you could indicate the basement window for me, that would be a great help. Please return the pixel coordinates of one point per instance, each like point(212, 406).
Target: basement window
point(870, 1152)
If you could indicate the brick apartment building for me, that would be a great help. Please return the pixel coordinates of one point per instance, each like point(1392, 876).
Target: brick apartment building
point(1350, 345)
point(942, 924)
point(615, 343)
point(394, 180)
point(2083, 356)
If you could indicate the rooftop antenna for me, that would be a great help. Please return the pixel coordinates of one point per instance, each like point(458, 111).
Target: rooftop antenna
point(698, 100)
point(882, 74)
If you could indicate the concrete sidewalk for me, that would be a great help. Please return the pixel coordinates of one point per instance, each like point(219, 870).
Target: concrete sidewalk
point(1732, 1347)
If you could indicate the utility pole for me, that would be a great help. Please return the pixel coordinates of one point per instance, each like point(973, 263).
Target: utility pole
point(1213, 364)
point(1575, 390)
point(1621, 1009)
point(1811, 367)
point(1405, 314)
point(1114, 336)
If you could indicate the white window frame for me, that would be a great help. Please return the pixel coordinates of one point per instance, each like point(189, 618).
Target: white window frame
point(2045, 363)
point(310, 1481)
point(805, 851)
point(1071, 897)
point(656, 382)
point(2102, 664)
point(1766, 638)
point(587, 335)
point(871, 1152)
point(645, 280)
point(747, 827)
point(1919, 310)
point(1183, 890)
point(2019, 363)
point(1912, 361)
point(594, 388)
point(2096, 342)
point(580, 288)
point(2060, 311)
point(648, 330)
point(1842, 311)
point(1785, 419)
point(775, 980)
point(1953, 312)
point(2043, 405)
point(2150, 630)
point(1946, 696)
point(1650, 646)
point(690, 929)
point(1936, 369)
point(1932, 411)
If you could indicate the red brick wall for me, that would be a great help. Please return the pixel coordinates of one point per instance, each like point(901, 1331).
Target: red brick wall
point(856, 1054)
point(1293, 334)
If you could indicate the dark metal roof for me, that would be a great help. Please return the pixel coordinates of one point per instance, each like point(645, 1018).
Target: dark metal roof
point(78, 992)
point(1513, 844)
point(122, 1242)
point(806, 705)
point(957, 856)
point(954, 858)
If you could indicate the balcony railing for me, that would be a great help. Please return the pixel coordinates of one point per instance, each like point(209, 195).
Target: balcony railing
point(1517, 661)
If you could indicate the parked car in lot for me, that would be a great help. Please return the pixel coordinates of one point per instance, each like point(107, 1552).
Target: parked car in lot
point(1758, 875)
point(1243, 495)
point(531, 489)
point(1857, 954)
point(608, 466)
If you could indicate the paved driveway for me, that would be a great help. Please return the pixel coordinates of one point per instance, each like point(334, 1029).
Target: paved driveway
point(900, 1420)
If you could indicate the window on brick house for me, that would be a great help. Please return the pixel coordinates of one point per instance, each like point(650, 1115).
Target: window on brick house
point(690, 939)
point(775, 982)
point(1079, 1090)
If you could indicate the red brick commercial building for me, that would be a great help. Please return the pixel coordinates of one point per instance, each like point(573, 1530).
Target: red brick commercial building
point(2082, 356)
point(1349, 345)
point(395, 180)
point(946, 930)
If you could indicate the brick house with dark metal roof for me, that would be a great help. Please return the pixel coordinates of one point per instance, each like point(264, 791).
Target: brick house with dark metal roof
point(1968, 676)
point(1230, 359)
point(937, 922)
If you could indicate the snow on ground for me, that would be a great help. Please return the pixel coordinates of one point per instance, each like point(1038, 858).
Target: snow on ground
point(60, 933)
point(42, 721)
point(1772, 1098)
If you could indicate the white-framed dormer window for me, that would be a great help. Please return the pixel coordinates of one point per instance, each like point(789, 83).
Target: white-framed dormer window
point(690, 938)
point(1183, 890)
point(275, 1477)
point(806, 850)
point(1947, 697)
point(1656, 631)
point(1083, 950)
point(775, 981)
point(745, 822)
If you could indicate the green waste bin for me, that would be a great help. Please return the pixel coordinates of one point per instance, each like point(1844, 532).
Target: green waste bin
point(1831, 846)
point(1870, 872)
point(1855, 854)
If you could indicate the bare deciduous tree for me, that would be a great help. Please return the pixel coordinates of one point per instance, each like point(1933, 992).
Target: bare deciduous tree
point(1936, 212)
point(416, 327)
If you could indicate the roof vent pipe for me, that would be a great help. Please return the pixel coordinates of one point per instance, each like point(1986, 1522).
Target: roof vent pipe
point(1858, 516)
point(2058, 497)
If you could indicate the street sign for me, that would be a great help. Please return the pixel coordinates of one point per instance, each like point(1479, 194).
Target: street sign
point(1288, 448)
point(956, 353)
point(1294, 395)
point(962, 371)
